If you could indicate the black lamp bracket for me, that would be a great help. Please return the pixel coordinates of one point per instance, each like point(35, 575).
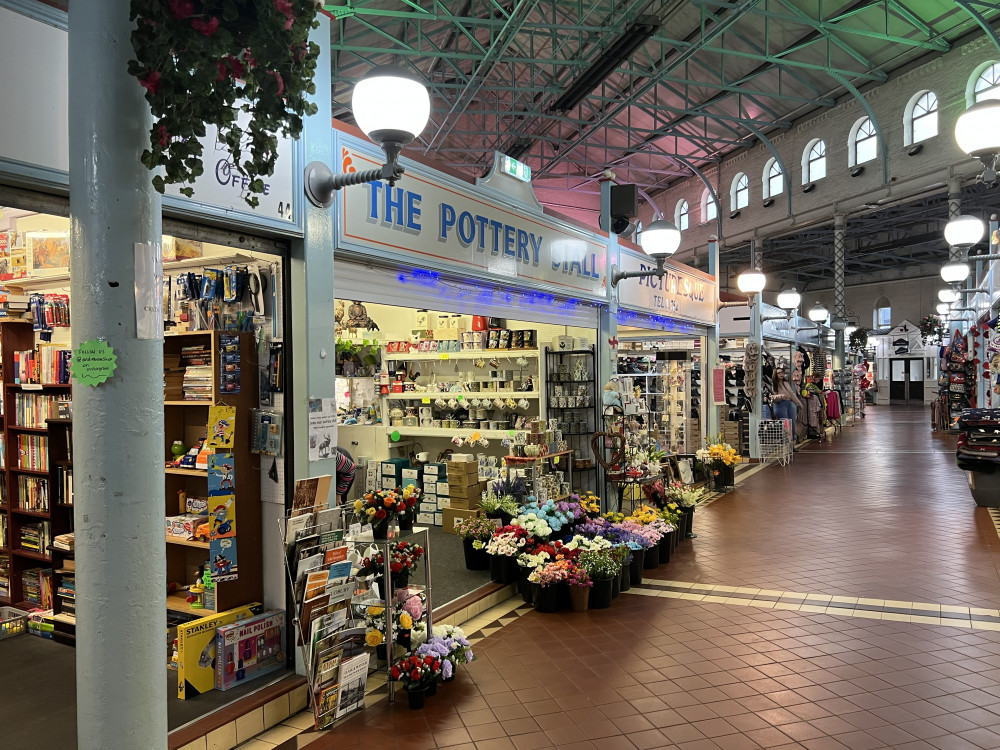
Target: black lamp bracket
point(618, 275)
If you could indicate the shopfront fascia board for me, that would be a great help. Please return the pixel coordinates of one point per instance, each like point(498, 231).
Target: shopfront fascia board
point(683, 294)
point(432, 222)
point(34, 133)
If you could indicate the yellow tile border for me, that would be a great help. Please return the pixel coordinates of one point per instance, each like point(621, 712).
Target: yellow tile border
point(987, 612)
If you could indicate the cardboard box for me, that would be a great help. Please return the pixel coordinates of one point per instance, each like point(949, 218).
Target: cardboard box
point(452, 516)
point(458, 458)
point(467, 503)
point(465, 480)
point(459, 468)
point(196, 650)
point(466, 491)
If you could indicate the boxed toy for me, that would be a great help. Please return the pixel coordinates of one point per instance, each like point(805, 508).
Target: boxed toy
point(249, 649)
point(196, 650)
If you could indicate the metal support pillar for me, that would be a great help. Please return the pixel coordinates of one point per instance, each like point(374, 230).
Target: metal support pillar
point(710, 354)
point(954, 211)
point(757, 254)
point(606, 350)
point(839, 242)
point(756, 336)
point(121, 699)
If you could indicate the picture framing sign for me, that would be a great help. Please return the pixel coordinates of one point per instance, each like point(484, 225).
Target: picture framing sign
point(681, 292)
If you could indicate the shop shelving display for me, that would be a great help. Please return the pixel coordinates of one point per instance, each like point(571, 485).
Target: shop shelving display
point(570, 379)
point(186, 419)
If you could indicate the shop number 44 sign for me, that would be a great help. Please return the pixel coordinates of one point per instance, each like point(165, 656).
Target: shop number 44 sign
point(94, 362)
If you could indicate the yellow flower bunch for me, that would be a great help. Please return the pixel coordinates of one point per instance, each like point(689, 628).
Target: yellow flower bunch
point(405, 621)
point(590, 502)
point(644, 515)
point(375, 611)
point(718, 453)
point(374, 638)
point(614, 517)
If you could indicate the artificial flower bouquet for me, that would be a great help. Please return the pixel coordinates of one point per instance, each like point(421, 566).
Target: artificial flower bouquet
point(410, 606)
point(508, 541)
point(590, 503)
point(377, 507)
point(579, 577)
point(451, 651)
point(684, 495)
point(495, 503)
point(510, 488)
point(642, 515)
point(555, 514)
point(477, 528)
point(374, 626)
point(671, 514)
point(600, 564)
point(411, 496)
point(403, 557)
point(416, 671)
point(613, 517)
point(648, 535)
point(717, 455)
point(551, 573)
point(534, 523)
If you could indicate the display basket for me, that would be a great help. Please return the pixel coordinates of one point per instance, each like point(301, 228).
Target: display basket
point(774, 441)
point(12, 622)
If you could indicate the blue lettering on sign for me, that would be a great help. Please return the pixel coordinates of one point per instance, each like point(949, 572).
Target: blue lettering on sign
point(225, 174)
point(573, 259)
point(395, 206)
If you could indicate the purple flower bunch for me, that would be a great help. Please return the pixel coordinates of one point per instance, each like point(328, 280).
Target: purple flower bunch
point(619, 535)
point(650, 533)
point(571, 509)
point(451, 651)
point(593, 527)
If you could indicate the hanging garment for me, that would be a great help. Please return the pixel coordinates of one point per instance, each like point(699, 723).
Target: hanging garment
point(832, 405)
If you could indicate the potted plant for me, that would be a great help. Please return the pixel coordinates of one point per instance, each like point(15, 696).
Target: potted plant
point(544, 584)
point(533, 556)
point(534, 524)
point(579, 583)
point(379, 508)
point(451, 650)
point(504, 547)
point(503, 499)
point(720, 459)
point(202, 63)
point(603, 568)
point(686, 498)
point(417, 673)
point(375, 631)
point(475, 532)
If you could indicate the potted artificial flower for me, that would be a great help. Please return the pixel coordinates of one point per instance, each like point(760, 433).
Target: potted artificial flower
point(544, 584)
point(503, 499)
point(579, 582)
point(504, 547)
point(720, 459)
point(535, 524)
point(686, 498)
point(375, 631)
point(603, 568)
point(451, 650)
point(645, 523)
point(671, 516)
point(378, 508)
point(533, 556)
point(403, 558)
point(417, 673)
point(475, 532)
point(409, 611)
point(408, 507)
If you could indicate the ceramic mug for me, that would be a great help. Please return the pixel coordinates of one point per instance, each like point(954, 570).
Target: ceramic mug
point(424, 456)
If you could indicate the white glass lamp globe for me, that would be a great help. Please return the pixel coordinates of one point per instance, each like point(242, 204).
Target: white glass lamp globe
point(964, 231)
point(977, 130)
point(943, 308)
point(751, 281)
point(948, 295)
point(660, 239)
point(390, 105)
point(955, 272)
point(789, 299)
point(850, 329)
point(818, 313)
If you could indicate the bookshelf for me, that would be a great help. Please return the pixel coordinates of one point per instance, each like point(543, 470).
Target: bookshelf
point(29, 516)
point(186, 419)
point(61, 500)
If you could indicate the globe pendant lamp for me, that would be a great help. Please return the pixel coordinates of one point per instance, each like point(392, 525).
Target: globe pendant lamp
point(977, 130)
point(955, 272)
point(943, 308)
point(948, 295)
point(390, 106)
point(789, 299)
point(964, 231)
point(660, 239)
point(751, 281)
point(818, 313)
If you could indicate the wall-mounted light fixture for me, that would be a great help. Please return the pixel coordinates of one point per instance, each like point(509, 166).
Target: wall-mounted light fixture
point(391, 107)
point(751, 281)
point(769, 202)
point(964, 231)
point(977, 133)
point(809, 188)
point(818, 313)
point(857, 171)
point(789, 299)
point(659, 240)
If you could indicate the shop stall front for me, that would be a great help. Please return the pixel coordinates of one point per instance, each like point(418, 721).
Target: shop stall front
point(904, 369)
point(467, 324)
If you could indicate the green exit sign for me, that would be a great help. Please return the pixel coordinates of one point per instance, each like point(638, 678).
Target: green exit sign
point(516, 169)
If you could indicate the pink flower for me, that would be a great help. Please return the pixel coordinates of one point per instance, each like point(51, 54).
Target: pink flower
point(181, 9)
point(285, 6)
point(281, 82)
point(164, 136)
point(208, 28)
point(236, 68)
point(151, 82)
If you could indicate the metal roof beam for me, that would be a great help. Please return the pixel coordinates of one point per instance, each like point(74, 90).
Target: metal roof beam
point(872, 75)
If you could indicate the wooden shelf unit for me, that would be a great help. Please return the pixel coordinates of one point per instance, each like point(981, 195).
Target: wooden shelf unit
point(187, 421)
point(17, 335)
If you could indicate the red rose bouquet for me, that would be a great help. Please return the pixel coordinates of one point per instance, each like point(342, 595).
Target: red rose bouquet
point(378, 508)
point(415, 671)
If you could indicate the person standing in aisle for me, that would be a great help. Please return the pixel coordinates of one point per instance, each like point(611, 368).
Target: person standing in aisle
point(785, 404)
point(345, 474)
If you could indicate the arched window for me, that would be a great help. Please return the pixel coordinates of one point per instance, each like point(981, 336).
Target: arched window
point(740, 193)
point(681, 217)
point(773, 179)
point(920, 119)
point(709, 209)
point(814, 161)
point(882, 317)
point(988, 84)
point(863, 143)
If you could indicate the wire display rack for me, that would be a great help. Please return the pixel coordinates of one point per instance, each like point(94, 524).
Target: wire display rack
point(774, 441)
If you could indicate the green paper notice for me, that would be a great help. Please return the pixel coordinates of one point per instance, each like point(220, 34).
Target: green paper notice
point(94, 362)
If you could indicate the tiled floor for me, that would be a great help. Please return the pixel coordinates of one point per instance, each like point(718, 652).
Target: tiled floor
point(739, 642)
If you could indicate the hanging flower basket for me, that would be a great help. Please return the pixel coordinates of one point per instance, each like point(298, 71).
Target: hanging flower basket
point(931, 328)
point(203, 63)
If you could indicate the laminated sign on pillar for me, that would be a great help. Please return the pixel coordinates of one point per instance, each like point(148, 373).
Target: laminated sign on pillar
point(94, 362)
point(435, 220)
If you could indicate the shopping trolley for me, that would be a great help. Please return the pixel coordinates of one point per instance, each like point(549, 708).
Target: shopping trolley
point(774, 441)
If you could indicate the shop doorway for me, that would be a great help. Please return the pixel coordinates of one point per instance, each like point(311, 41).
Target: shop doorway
point(906, 381)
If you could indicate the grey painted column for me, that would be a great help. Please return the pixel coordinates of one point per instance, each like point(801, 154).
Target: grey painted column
point(839, 241)
point(710, 355)
point(954, 211)
point(121, 669)
point(311, 277)
point(756, 254)
point(606, 353)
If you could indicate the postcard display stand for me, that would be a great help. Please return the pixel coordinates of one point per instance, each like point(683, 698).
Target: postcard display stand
point(329, 643)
